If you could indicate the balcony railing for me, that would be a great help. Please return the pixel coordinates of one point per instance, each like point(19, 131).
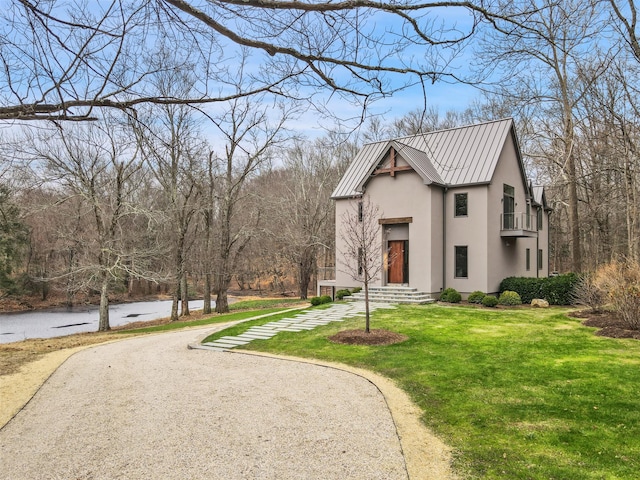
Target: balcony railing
point(518, 224)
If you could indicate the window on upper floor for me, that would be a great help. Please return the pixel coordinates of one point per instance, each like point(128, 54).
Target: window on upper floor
point(508, 207)
point(360, 211)
point(539, 218)
point(460, 200)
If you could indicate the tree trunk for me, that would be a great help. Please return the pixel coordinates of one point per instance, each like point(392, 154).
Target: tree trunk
point(632, 212)
point(574, 221)
point(184, 297)
point(222, 302)
point(175, 297)
point(305, 270)
point(366, 304)
point(206, 308)
point(103, 324)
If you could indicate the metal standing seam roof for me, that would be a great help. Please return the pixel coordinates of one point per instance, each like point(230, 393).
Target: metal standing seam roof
point(457, 156)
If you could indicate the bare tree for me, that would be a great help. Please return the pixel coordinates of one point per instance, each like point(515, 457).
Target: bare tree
point(361, 240)
point(99, 167)
point(625, 17)
point(68, 61)
point(208, 217)
point(168, 135)
point(249, 137)
point(540, 63)
point(301, 198)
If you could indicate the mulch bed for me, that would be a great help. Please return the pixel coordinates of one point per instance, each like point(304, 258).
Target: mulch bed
point(609, 323)
point(374, 337)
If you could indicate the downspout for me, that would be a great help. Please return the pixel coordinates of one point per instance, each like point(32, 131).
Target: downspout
point(537, 250)
point(548, 241)
point(537, 242)
point(444, 238)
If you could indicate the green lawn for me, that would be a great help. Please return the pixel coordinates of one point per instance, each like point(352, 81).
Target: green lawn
point(519, 393)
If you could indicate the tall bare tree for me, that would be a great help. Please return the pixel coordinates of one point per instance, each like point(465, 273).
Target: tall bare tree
point(168, 138)
point(98, 166)
point(540, 63)
point(249, 139)
point(301, 198)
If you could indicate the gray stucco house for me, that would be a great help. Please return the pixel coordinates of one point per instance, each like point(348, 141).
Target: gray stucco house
point(457, 210)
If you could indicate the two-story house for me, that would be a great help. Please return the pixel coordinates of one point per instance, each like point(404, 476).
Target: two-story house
point(456, 210)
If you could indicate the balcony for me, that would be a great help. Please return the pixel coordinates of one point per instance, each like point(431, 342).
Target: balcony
point(513, 225)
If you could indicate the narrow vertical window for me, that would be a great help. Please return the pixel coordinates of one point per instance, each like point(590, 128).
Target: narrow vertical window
point(539, 218)
point(508, 207)
point(461, 204)
point(528, 219)
point(360, 212)
point(540, 259)
point(461, 262)
point(528, 258)
point(360, 263)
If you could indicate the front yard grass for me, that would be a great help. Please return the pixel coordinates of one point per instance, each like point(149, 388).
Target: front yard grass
point(518, 393)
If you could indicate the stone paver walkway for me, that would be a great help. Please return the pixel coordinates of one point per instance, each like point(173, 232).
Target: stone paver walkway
point(307, 320)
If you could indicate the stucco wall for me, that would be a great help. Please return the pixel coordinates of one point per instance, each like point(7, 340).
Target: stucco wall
point(343, 278)
point(506, 256)
point(405, 195)
point(469, 231)
point(437, 258)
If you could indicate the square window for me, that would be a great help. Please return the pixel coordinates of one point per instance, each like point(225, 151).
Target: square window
point(461, 204)
point(461, 262)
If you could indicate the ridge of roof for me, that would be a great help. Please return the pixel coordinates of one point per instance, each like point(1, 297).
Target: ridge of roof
point(464, 155)
point(443, 130)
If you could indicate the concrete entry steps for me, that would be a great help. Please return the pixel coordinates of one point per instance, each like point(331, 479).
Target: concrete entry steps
point(307, 320)
point(393, 294)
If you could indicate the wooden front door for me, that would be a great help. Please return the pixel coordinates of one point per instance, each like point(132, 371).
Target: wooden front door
point(397, 261)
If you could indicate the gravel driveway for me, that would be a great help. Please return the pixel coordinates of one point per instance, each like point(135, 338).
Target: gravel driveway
point(149, 408)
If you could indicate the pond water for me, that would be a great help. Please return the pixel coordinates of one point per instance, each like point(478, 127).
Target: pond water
point(66, 321)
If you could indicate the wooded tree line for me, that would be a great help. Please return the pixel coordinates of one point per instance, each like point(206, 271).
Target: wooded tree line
point(124, 208)
point(111, 176)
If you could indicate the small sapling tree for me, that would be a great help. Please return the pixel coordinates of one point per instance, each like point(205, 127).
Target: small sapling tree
point(361, 246)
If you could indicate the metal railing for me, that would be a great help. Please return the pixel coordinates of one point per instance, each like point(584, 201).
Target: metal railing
point(518, 221)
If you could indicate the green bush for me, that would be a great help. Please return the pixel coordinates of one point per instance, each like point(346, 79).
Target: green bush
point(340, 294)
point(509, 298)
point(489, 301)
point(320, 300)
point(559, 290)
point(476, 297)
point(450, 295)
point(555, 290)
point(356, 290)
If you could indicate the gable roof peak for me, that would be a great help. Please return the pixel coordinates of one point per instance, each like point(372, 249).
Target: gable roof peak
point(465, 155)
